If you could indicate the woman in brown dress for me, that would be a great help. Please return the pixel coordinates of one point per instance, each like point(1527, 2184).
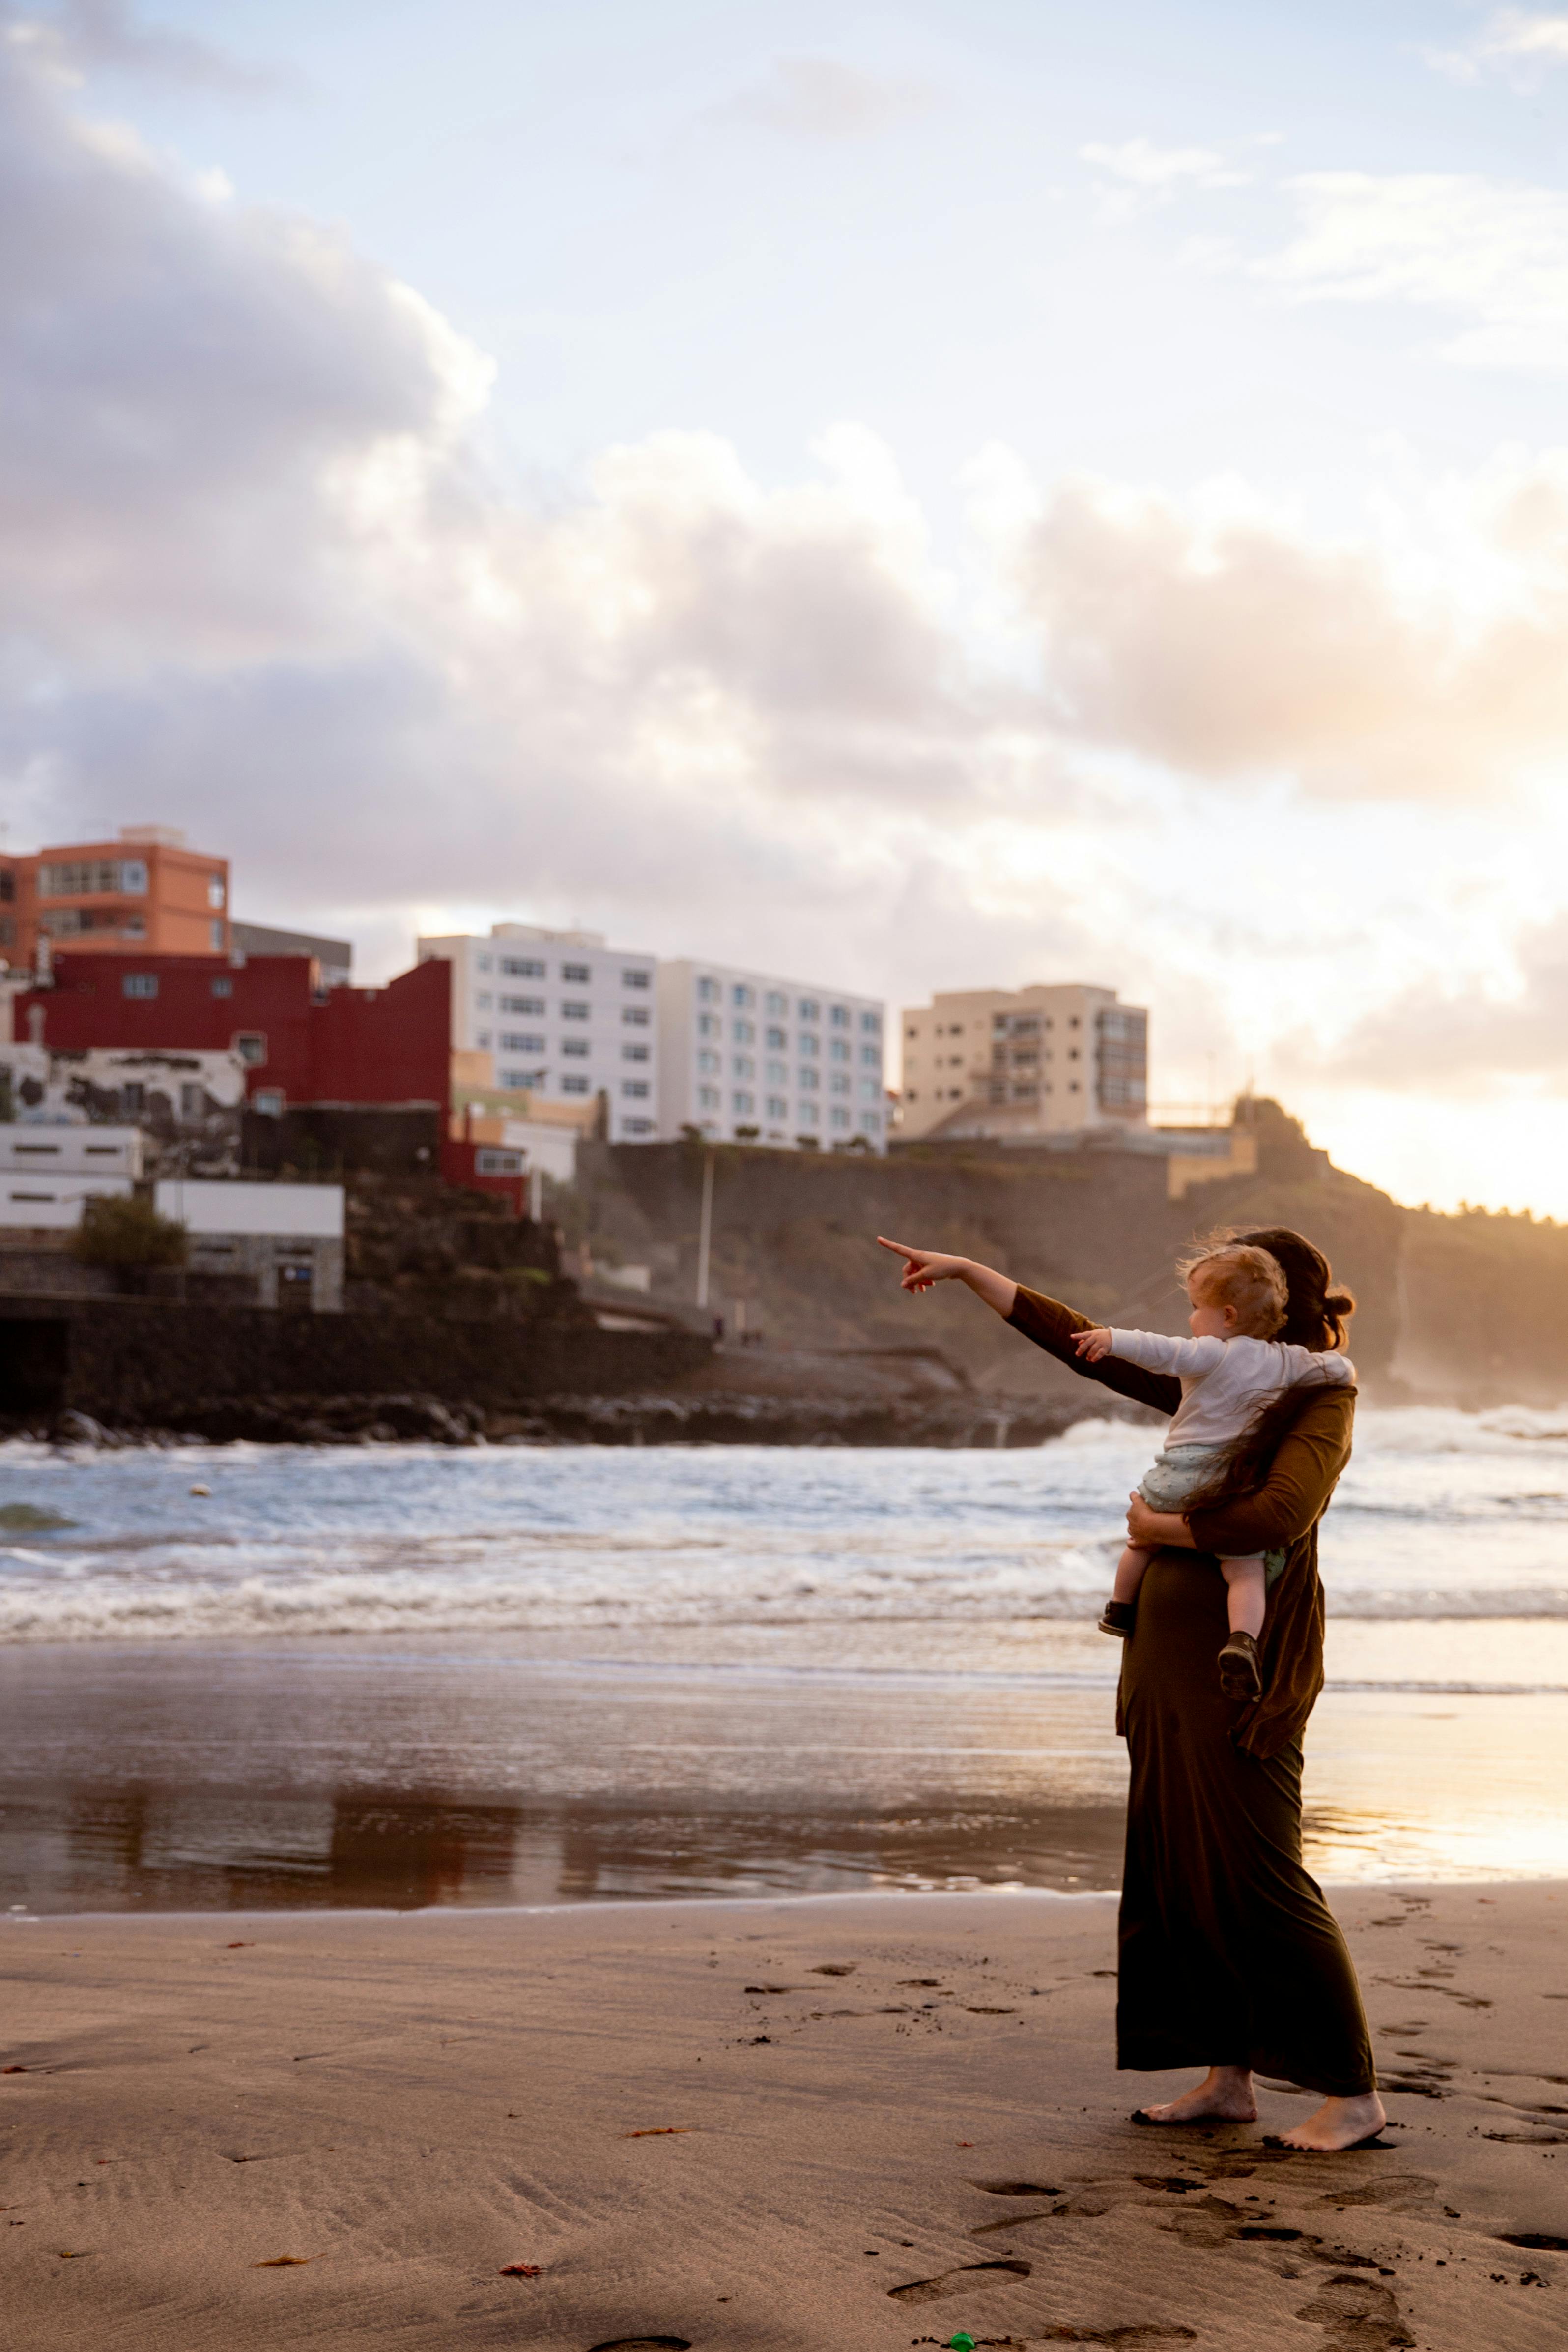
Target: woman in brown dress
point(1230, 1956)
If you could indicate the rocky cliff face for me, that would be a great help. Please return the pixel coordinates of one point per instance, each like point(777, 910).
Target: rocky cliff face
point(1471, 1308)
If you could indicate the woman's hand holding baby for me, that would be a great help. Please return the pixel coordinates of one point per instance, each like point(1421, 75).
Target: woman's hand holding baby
point(1091, 1345)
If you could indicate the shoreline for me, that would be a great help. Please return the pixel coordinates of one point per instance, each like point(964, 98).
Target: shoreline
point(1345, 1890)
point(786, 2123)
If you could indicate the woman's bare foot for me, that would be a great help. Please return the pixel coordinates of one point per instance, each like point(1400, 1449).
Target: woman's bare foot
point(1338, 2124)
point(1225, 2092)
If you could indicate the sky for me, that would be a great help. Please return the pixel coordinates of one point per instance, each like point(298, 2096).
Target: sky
point(919, 498)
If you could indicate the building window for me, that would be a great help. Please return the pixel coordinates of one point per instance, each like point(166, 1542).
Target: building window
point(839, 1050)
point(809, 1079)
point(777, 1107)
point(709, 1062)
point(636, 1016)
point(497, 1163)
point(573, 1085)
point(840, 1084)
point(570, 1010)
point(742, 996)
point(709, 1098)
point(216, 936)
point(708, 991)
point(250, 1044)
point(871, 1024)
point(637, 1127)
point(576, 1047)
point(632, 978)
point(519, 1042)
point(524, 1082)
point(520, 968)
point(634, 1089)
point(635, 1053)
point(870, 1091)
point(742, 1103)
point(873, 1123)
point(744, 1032)
point(485, 1001)
point(871, 1057)
point(576, 975)
point(839, 1016)
point(94, 877)
point(140, 983)
point(777, 1040)
point(709, 1025)
point(482, 963)
point(743, 1066)
point(810, 1045)
point(524, 1004)
point(223, 988)
point(778, 1074)
point(133, 1099)
point(215, 892)
point(808, 1009)
point(777, 1003)
point(481, 1039)
point(841, 1118)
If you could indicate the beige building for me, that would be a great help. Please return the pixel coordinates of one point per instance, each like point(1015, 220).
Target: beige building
point(1014, 1063)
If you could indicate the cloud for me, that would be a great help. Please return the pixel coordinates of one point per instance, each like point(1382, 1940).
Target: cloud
point(1466, 1038)
point(1138, 175)
point(1424, 659)
point(1494, 253)
point(1521, 44)
point(88, 36)
point(823, 101)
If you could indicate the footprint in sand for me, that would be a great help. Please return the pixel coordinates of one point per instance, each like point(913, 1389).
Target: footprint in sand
point(959, 2282)
point(1357, 2316)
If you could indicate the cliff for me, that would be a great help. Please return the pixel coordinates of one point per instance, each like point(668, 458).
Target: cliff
point(1471, 1308)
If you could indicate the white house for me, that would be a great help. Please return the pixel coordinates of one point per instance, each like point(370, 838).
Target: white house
point(288, 1237)
point(747, 1057)
point(558, 1017)
point(46, 1172)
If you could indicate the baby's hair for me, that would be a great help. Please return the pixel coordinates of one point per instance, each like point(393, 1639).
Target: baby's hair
point(1235, 1274)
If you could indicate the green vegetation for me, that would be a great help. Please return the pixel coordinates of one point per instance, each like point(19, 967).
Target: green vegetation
point(126, 1233)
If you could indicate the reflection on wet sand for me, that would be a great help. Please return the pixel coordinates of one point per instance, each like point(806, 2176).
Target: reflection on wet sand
point(94, 1849)
point(184, 1778)
point(108, 1848)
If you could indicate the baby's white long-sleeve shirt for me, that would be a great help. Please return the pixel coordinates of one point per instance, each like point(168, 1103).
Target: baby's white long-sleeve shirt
point(1224, 1382)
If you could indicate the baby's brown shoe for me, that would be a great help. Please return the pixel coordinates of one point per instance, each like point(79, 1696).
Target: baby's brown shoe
point(1119, 1618)
point(1239, 1674)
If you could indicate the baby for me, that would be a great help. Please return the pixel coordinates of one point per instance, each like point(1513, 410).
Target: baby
point(1230, 1370)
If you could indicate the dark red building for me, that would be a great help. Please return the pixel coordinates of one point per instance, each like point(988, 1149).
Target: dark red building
point(301, 1044)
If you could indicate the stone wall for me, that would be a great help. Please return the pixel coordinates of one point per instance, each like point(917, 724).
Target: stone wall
point(148, 1362)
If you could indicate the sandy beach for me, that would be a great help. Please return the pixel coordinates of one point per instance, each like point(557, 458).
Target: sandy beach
point(864, 2121)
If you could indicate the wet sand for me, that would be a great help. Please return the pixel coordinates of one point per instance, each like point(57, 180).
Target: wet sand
point(859, 2122)
point(195, 1776)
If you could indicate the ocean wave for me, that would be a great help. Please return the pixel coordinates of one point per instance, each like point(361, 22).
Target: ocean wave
point(121, 1609)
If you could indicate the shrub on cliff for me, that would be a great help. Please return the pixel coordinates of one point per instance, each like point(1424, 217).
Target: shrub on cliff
point(126, 1233)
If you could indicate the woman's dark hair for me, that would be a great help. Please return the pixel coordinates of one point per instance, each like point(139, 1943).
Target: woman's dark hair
point(1317, 1310)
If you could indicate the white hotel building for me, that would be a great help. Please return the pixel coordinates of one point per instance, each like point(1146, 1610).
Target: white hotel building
point(749, 1058)
point(558, 1016)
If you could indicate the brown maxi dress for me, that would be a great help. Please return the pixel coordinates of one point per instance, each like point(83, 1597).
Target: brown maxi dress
point(1229, 1956)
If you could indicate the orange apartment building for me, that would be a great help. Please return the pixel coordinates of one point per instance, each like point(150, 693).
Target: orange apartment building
point(142, 894)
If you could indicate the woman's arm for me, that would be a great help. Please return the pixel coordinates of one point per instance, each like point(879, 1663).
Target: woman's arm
point(1302, 1477)
point(1052, 1327)
point(923, 1268)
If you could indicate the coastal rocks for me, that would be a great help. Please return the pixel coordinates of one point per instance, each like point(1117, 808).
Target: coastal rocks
point(725, 1418)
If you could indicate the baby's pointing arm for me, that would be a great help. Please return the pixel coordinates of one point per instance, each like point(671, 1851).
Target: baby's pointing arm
point(1190, 1359)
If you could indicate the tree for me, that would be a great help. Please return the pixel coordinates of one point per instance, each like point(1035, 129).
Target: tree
point(127, 1232)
